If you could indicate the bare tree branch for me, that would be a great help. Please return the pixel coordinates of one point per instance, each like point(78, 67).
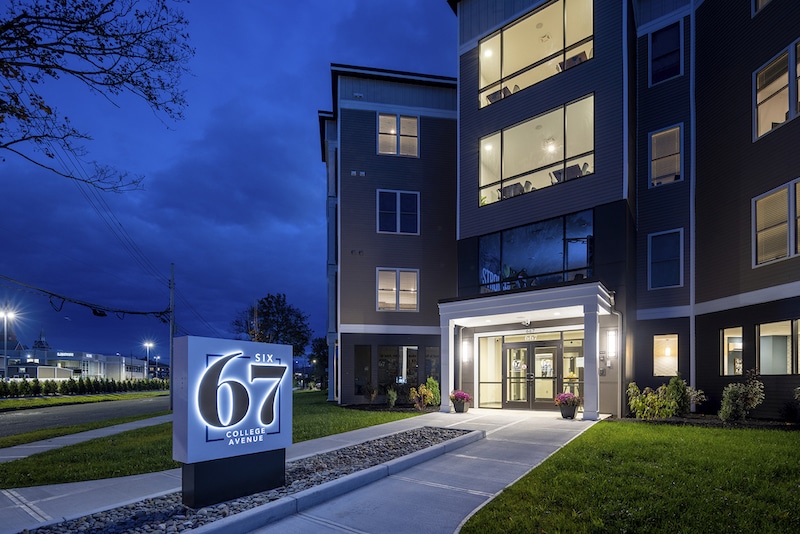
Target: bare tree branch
point(111, 46)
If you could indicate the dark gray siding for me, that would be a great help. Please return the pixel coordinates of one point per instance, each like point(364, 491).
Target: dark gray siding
point(732, 169)
point(379, 91)
point(433, 252)
point(601, 76)
point(777, 389)
point(666, 207)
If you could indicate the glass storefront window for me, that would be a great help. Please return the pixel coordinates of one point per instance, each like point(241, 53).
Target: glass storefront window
point(775, 348)
point(732, 351)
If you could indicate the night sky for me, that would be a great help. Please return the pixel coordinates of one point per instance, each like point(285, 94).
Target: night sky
point(234, 195)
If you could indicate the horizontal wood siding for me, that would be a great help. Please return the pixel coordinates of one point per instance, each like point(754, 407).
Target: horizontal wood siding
point(777, 389)
point(601, 76)
point(732, 169)
point(666, 207)
point(363, 249)
point(397, 94)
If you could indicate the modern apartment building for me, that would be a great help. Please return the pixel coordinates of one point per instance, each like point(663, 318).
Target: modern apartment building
point(390, 153)
point(627, 200)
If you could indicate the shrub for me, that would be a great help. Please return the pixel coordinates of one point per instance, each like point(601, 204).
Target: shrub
point(370, 392)
point(683, 395)
point(24, 388)
point(433, 387)
point(36, 387)
point(13, 389)
point(738, 399)
point(391, 397)
point(421, 397)
point(3, 388)
point(650, 404)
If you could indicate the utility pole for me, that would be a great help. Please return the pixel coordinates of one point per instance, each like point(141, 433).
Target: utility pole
point(171, 329)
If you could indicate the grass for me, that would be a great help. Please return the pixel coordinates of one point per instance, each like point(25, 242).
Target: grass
point(621, 477)
point(150, 449)
point(49, 433)
point(7, 405)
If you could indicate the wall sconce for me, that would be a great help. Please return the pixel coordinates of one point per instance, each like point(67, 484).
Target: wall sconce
point(611, 343)
point(465, 353)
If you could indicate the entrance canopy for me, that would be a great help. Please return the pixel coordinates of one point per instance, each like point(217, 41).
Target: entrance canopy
point(585, 302)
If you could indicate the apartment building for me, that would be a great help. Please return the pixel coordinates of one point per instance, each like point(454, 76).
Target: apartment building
point(390, 153)
point(627, 201)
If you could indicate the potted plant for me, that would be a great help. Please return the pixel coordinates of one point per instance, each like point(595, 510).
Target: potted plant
point(460, 399)
point(568, 403)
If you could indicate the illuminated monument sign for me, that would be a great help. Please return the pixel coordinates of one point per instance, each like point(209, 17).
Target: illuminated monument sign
point(232, 417)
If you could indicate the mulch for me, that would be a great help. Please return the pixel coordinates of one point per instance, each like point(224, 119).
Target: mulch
point(713, 421)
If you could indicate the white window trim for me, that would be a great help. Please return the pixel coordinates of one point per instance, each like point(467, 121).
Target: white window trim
point(650, 52)
point(650, 262)
point(793, 76)
point(650, 154)
point(791, 234)
point(397, 272)
point(754, 10)
point(397, 206)
point(397, 144)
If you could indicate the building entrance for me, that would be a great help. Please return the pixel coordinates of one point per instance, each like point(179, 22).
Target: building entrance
point(530, 371)
point(535, 372)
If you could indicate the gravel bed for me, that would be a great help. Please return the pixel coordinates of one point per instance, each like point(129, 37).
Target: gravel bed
point(167, 514)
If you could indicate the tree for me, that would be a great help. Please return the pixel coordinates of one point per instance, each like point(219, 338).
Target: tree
point(319, 359)
point(113, 47)
point(273, 320)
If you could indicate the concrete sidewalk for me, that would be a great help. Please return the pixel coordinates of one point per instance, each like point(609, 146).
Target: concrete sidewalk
point(432, 491)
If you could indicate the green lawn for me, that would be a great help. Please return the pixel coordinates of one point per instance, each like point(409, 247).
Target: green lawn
point(150, 449)
point(25, 403)
point(624, 477)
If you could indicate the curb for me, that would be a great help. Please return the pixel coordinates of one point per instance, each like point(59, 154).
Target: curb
point(265, 514)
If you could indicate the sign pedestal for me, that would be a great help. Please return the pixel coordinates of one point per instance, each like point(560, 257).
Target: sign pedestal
point(215, 481)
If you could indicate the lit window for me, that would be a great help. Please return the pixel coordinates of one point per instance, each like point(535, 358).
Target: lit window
point(398, 212)
point(758, 5)
point(732, 351)
point(772, 226)
point(665, 355)
point(665, 156)
point(554, 147)
point(775, 348)
point(666, 259)
point(665, 53)
point(552, 39)
point(397, 134)
point(397, 290)
point(772, 94)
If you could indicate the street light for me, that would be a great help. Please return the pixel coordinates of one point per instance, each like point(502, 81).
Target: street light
point(148, 345)
point(6, 316)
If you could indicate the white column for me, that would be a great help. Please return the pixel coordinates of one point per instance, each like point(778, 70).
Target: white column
point(448, 364)
point(591, 351)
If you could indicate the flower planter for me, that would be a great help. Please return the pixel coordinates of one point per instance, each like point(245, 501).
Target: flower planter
point(568, 412)
point(461, 407)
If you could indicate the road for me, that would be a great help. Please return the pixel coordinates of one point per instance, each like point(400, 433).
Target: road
point(18, 422)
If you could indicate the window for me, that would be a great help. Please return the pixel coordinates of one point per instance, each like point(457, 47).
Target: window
point(552, 39)
point(776, 224)
point(665, 355)
point(362, 368)
point(398, 212)
point(554, 147)
point(732, 351)
point(665, 53)
point(665, 156)
point(397, 290)
point(666, 259)
point(775, 348)
point(758, 5)
point(397, 134)
point(775, 90)
point(547, 252)
point(397, 365)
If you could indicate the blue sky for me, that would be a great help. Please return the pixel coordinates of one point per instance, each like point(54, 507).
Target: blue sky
point(234, 195)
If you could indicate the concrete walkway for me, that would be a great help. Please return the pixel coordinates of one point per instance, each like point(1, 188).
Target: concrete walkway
point(430, 491)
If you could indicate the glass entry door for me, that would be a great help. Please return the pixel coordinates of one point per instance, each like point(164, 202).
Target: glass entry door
point(531, 371)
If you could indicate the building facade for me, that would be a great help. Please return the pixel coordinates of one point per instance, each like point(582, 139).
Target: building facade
point(390, 153)
point(627, 201)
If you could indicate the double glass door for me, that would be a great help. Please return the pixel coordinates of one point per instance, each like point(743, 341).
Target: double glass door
point(536, 372)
